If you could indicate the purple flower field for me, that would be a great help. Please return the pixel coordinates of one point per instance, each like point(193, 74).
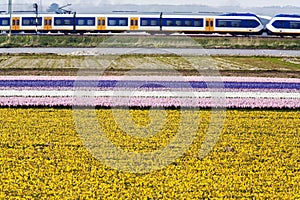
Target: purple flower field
point(140, 91)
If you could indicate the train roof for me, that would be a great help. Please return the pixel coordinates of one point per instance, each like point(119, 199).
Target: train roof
point(239, 14)
point(288, 15)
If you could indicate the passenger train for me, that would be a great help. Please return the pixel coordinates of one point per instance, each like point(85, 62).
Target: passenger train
point(232, 23)
point(284, 24)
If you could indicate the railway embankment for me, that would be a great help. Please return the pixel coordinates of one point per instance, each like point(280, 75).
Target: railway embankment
point(150, 41)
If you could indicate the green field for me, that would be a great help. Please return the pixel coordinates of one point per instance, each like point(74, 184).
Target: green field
point(149, 41)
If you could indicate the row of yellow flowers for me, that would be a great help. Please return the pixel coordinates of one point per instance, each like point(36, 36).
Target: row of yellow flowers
point(256, 156)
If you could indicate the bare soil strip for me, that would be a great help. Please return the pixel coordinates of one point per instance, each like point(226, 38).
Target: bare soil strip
point(74, 72)
point(62, 65)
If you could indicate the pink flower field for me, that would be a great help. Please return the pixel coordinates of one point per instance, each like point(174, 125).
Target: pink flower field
point(156, 91)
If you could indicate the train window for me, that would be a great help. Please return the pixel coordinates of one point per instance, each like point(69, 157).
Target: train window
point(207, 24)
point(90, 22)
point(222, 23)
point(169, 22)
point(117, 21)
point(5, 22)
point(26, 22)
point(295, 24)
point(249, 23)
point(148, 22)
point(58, 22)
point(178, 23)
point(188, 22)
point(144, 22)
point(154, 22)
point(211, 23)
point(81, 22)
point(39, 21)
point(198, 23)
point(31, 21)
point(17, 22)
point(122, 22)
point(112, 22)
point(67, 22)
point(236, 23)
point(281, 24)
point(103, 22)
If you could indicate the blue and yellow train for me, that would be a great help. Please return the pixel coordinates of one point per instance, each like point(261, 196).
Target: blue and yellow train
point(234, 23)
point(284, 24)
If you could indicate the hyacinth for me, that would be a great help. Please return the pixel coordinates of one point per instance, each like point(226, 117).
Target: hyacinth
point(43, 155)
point(140, 91)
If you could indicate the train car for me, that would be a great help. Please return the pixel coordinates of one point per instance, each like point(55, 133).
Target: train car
point(235, 23)
point(122, 22)
point(24, 23)
point(20, 23)
point(238, 23)
point(284, 24)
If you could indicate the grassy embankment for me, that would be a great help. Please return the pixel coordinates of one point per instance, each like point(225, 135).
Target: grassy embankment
point(149, 41)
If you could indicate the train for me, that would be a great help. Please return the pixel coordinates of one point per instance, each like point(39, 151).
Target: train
point(230, 23)
point(284, 24)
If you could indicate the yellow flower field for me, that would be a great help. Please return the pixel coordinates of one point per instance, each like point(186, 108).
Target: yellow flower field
point(256, 156)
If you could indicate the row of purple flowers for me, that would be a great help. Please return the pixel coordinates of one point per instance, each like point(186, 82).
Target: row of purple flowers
point(157, 78)
point(147, 84)
point(171, 84)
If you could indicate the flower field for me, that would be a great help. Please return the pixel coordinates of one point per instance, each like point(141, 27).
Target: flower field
point(204, 92)
point(42, 156)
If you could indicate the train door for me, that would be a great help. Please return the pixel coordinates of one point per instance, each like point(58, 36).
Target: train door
point(209, 24)
point(101, 23)
point(15, 24)
point(48, 23)
point(134, 23)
